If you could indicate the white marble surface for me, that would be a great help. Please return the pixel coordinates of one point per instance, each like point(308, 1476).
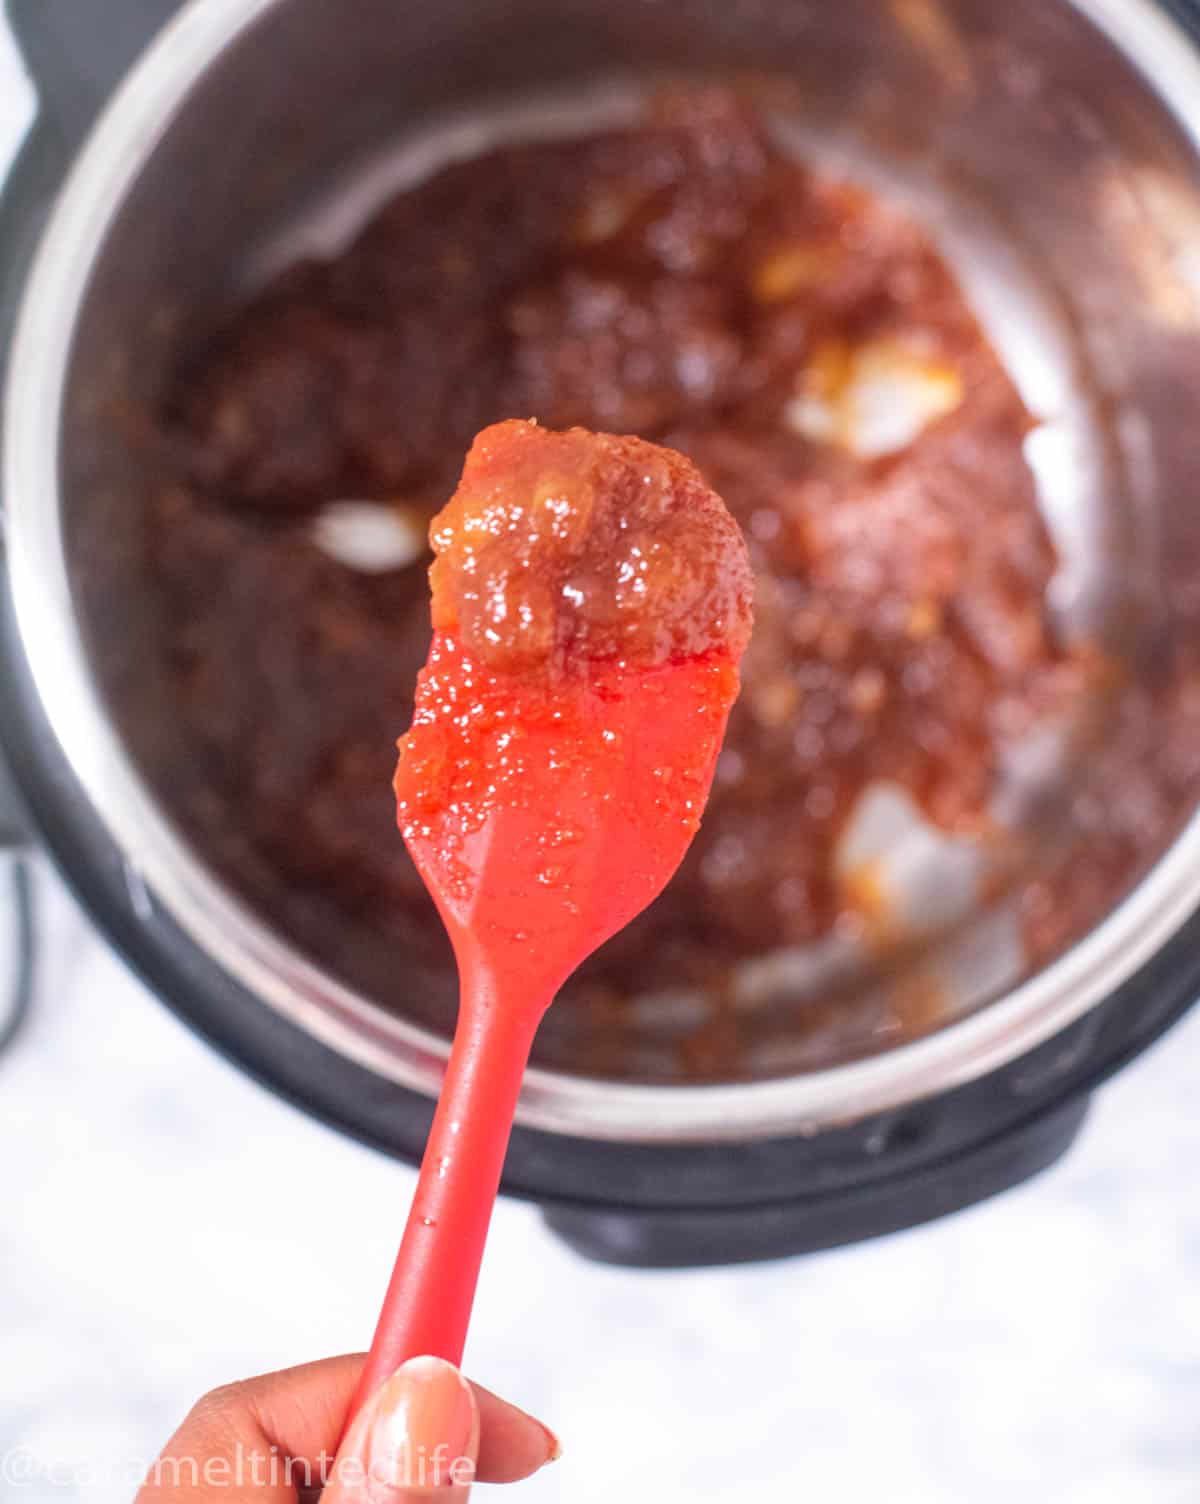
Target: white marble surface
point(167, 1226)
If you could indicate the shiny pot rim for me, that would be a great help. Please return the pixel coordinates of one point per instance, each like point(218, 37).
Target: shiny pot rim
point(262, 961)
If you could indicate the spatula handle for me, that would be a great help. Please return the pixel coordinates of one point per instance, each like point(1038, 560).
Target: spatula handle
point(428, 1302)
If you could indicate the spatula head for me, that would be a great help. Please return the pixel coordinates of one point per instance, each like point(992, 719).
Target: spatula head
point(543, 818)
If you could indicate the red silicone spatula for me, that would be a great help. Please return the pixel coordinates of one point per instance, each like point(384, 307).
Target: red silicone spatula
point(542, 860)
point(543, 817)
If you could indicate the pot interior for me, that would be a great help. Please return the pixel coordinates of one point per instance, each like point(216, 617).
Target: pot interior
point(1064, 193)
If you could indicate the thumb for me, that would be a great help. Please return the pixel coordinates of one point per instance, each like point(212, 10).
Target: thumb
point(416, 1439)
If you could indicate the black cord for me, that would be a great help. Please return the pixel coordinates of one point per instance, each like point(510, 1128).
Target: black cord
point(22, 994)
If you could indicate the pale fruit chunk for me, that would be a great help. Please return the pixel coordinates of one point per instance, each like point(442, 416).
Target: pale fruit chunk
point(873, 399)
point(370, 536)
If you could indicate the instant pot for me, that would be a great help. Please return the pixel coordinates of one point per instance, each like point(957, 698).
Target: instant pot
point(170, 140)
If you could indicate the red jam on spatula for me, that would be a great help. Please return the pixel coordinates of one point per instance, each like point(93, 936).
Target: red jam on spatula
point(591, 601)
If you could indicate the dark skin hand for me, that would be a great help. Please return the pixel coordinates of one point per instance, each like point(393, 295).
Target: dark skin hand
point(426, 1434)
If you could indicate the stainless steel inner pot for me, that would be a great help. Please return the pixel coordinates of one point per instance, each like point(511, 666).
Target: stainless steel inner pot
point(1053, 146)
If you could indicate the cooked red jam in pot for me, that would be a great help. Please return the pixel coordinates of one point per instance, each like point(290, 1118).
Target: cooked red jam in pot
point(686, 280)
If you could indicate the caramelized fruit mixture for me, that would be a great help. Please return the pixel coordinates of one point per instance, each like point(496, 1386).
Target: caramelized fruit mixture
point(687, 280)
point(562, 548)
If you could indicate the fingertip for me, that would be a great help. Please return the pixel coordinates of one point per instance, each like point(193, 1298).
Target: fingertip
point(512, 1443)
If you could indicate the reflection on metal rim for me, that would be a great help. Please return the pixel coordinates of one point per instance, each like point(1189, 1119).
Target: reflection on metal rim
point(126, 136)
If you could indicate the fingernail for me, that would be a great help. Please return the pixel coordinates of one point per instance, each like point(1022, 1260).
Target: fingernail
point(424, 1429)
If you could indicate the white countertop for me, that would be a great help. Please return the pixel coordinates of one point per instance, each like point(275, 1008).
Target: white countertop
point(168, 1226)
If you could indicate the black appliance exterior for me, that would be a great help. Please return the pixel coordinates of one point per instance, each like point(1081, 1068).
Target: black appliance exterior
point(649, 1205)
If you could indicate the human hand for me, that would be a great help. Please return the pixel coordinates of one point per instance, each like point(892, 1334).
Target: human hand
point(426, 1434)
